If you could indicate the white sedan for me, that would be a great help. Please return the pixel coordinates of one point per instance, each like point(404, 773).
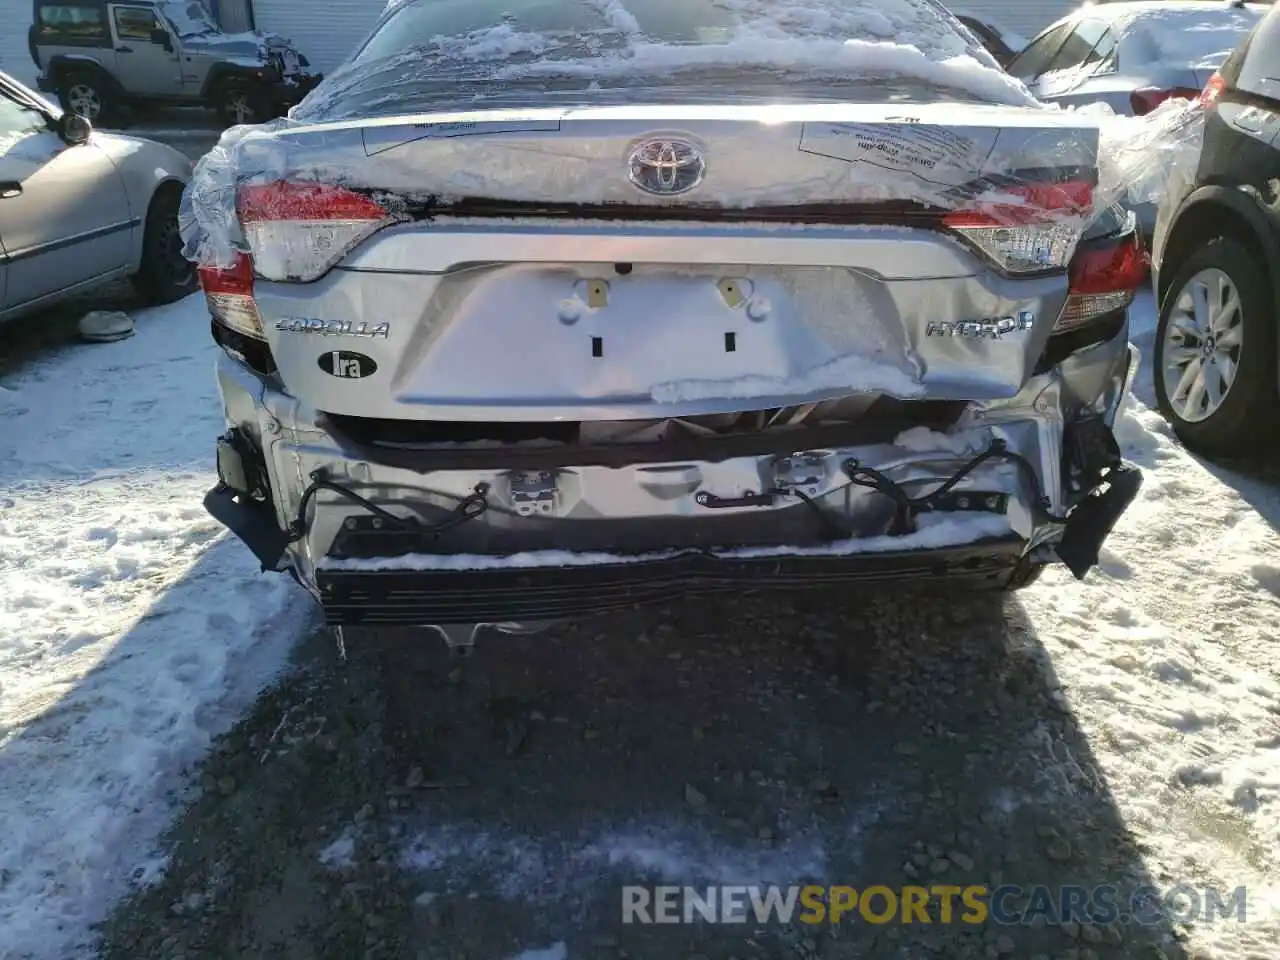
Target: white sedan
point(80, 208)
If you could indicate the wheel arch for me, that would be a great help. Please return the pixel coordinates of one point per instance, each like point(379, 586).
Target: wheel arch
point(64, 63)
point(166, 187)
point(1219, 211)
point(221, 74)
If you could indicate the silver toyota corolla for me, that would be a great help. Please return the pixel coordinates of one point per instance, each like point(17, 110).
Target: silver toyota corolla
point(535, 310)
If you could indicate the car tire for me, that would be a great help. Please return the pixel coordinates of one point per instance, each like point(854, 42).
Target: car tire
point(237, 104)
point(164, 275)
point(89, 94)
point(1226, 402)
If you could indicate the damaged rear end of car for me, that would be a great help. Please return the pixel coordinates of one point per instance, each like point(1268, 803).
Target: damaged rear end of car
point(503, 366)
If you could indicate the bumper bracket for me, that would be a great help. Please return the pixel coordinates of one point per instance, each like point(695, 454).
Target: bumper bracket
point(253, 521)
point(1093, 519)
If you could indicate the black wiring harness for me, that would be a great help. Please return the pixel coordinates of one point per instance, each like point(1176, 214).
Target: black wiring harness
point(908, 507)
point(476, 503)
point(469, 508)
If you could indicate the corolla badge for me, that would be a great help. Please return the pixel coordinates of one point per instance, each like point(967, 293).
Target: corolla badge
point(666, 166)
point(334, 328)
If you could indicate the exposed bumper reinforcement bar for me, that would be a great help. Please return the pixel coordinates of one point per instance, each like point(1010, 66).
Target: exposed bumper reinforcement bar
point(500, 595)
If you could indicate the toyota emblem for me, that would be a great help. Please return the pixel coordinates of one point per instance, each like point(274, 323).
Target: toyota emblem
point(666, 166)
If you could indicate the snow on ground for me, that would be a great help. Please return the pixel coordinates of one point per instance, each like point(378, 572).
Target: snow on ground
point(131, 634)
point(1167, 655)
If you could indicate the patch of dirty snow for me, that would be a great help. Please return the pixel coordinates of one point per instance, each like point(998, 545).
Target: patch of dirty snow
point(340, 854)
point(848, 374)
point(131, 633)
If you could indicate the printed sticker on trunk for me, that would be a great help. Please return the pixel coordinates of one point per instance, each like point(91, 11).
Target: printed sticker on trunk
point(346, 365)
point(934, 154)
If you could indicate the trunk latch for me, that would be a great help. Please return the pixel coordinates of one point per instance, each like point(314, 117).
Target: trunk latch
point(800, 471)
point(533, 493)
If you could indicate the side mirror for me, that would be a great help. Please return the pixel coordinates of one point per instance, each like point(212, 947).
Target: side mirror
point(162, 37)
point(74, 129)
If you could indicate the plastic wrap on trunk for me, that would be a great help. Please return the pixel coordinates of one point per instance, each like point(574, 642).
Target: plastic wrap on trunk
point(416, 138)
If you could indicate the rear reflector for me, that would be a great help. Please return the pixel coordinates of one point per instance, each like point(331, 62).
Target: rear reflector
point(1147, 99)
point(1104, 280)
point(1027, 227)
point(299, 231)
point(1213, 90)
point(229, 294)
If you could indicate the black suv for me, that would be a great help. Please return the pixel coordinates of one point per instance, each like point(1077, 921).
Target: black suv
point(1217, 263)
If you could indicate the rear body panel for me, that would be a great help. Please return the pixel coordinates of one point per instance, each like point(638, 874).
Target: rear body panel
point(540, 365)
point(647, 305)
point(704, 320)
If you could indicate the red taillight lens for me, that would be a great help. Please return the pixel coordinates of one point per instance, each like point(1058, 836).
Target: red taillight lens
point(1147, 99)
point(1027, 227)
point(298, 231)
point(1213, 90)
point(1104, 280)
point(284, 200)
point(229, 294)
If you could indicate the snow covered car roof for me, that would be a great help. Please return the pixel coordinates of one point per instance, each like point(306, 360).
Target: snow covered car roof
point(1175, 31)
point(431, 53)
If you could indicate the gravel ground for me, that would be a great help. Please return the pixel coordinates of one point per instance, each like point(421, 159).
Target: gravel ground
point(405, 804)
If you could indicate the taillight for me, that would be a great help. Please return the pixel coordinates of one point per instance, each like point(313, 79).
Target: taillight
point(299, 231)
point(1213, 90)
point(1104, 279)
point(229, 294)
point(1026, 227)
point(1147, 99)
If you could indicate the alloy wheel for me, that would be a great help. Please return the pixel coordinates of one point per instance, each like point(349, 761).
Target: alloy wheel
point(84, 100)
point(176, 267)
point(1202, 344)
point(239, 108)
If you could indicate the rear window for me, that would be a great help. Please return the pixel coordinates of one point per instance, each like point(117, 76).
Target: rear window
point(73, 23)
point(446, 24)
point(464, 54)
point(1184, 37)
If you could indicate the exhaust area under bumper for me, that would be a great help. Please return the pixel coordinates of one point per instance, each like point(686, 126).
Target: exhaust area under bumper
point(500, 595)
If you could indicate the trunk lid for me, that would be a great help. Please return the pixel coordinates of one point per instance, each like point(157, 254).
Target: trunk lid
point(754, 155)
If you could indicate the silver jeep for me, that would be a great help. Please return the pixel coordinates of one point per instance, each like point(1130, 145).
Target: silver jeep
point(102, 57)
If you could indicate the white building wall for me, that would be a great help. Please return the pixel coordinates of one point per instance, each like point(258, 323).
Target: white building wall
point(326, 32)
point(1024, 17)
